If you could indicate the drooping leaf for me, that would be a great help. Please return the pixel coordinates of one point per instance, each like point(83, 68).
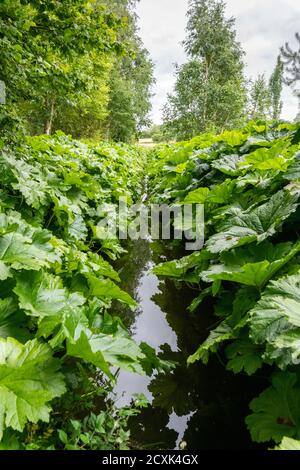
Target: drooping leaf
point(278, 310)
point(198, 300)
point(222, 333)
point(253, 265)
point(29, 380)
point(152, 362)
point(245, 356)
point(42, 294)
point(276, 411)
point(107, 289)
point(255, 225)
point(105, 350)
point(179, 268)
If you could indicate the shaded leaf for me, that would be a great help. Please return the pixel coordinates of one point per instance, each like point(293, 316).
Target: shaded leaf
point(29, 380)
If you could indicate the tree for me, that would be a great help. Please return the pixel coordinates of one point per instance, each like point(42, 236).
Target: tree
point(131, 80)
point(275, 88)
point(259, 99)
point(130, 94)
point(210, 91)
point(291, 65)
point(61, 62)
point(46, 51)
point(291, 62)
point(85, 117)
point(264, 98)
point(183, 108)
point(120, 123)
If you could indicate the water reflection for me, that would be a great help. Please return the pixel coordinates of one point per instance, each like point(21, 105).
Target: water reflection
point(150, 430)
point(202, 405)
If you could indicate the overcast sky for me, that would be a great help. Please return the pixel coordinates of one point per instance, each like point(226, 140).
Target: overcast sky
point(262, 27)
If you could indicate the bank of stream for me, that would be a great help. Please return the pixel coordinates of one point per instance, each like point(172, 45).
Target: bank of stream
point(196, 407)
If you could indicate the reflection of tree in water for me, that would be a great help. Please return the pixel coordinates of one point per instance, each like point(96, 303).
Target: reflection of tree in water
point(218, 399)
point(190, 329)
point(222, 403)
point(149, 430)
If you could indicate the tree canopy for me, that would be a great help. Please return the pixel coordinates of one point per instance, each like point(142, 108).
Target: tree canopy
point(210, 91)
point(58, 61)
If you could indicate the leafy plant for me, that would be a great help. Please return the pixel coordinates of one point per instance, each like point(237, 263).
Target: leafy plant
point(57, 288)
point(107, 430)
point(248, 182)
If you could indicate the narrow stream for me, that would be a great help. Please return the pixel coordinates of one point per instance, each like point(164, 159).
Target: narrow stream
point(199, 407)
point(150, 326)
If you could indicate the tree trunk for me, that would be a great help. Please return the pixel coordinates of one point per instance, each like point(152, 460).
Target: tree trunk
point(49, 122)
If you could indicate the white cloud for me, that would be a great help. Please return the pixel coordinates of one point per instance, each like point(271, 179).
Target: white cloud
point(262, 27)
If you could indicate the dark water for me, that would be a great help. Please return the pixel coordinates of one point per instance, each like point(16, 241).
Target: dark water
point(202, 407)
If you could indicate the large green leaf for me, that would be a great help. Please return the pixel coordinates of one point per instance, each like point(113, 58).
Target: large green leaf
point(253, 265)
point(220, 334)
point(5, 271)
point(179, 269)
point(273, 158)
point(78, 229)
point(12, 320)
point(42, 294)
point(111, 346)
point(260, 180)
point(276, 412)
point(20, 252)
point(278, 311)
point(104, 351)
point(29, 380)
point(106, 345)
point(293, 172)
point(275, 320)
point(222, 193)
point(198, 196)
point(107, 289)
point(228, 164)
point(245, 356)
point(288, 444)
point(284, 349)
point(253, 225)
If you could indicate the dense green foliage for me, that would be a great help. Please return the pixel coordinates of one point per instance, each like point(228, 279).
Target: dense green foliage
point(59, 62)
point(57, 285)
point(210, 91)
point(50, 53)
point(130, 95)
point(130, 81)
point(79, 67)
point(249, 268)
